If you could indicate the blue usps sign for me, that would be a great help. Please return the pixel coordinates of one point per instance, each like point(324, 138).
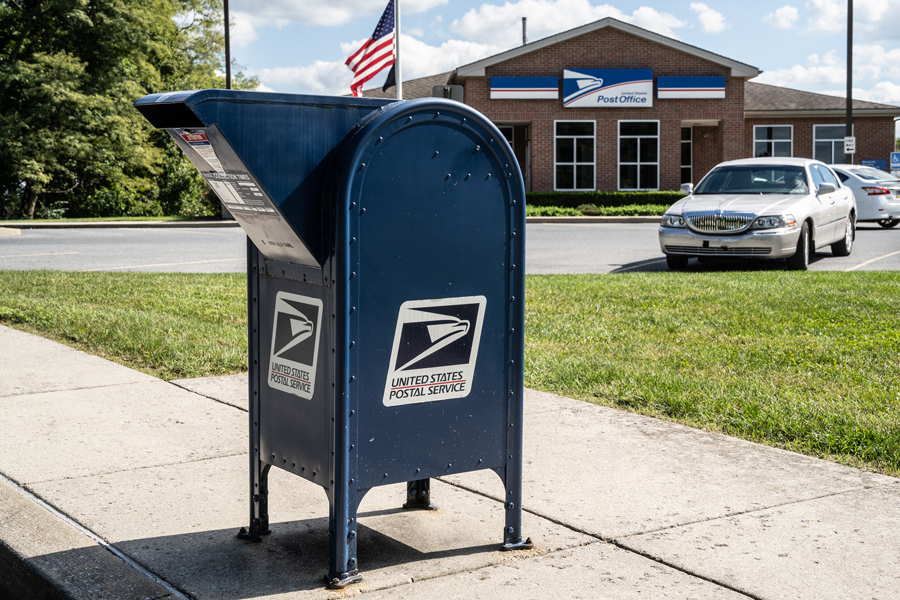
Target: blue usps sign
point(895, 161)
point(877, 163)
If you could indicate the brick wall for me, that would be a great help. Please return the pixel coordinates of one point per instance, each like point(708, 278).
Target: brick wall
point(611, 48)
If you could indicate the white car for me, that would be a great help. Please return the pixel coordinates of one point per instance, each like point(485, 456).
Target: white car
point(767, 208)
point(877, 193)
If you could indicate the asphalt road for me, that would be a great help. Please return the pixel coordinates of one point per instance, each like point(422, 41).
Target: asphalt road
point(579, 248)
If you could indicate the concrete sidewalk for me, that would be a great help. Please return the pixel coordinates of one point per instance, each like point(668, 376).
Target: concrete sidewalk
point(118, 485)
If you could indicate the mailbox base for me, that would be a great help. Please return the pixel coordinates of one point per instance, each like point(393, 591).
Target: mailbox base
point(520, 545)
point(339, 581)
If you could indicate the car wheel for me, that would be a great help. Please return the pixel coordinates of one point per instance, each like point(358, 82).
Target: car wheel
point(800, 260)
point(677, 263)
point(888, 223)
point(845, 245)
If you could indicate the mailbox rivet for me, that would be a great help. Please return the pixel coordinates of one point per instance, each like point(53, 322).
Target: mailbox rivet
point(385, 475)
point(380, 139)
point(314, 473)
point(362, 211)
point(302, 469)
point(408, 119)
point(480, 461)
point(510, 530)
point(437, 114)
point(362, 165)
point(353, 378)
point(506, 165)
point(352, 562)
point(448, 176)
point(352, 446)
point(477, 148)
point(435, 153)
point(351, 483)
point(352, 204)
point(353, 308)
point(512, 330)
point(352, 240)
point(512, 267)
point(450, 466)
point(293, 465)
point(512, 298)
point(512, 362)
point(513, 234)
point(468, 175)
point(488, 176)
point(256, 497)
point(509, 174)
point(510, 456)
point(510, 506)
point(418, 470)
point(464, 120)
point(352, 412)
point(350, 521)
point(352, 344)
point(352, 274)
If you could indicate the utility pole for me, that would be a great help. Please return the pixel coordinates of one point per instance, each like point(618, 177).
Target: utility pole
point(848, 158)
point(227, 49)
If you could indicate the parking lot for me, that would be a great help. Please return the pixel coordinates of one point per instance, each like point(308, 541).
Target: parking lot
point(550, 248)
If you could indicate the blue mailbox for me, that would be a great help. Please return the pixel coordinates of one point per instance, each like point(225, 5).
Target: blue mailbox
point(385, 292)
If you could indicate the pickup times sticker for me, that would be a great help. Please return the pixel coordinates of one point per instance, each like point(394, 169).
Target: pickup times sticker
point(435, 349)
point(295, 344)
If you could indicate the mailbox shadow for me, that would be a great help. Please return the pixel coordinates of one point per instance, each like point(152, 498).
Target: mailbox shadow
point(293, 558)
point(707, 264)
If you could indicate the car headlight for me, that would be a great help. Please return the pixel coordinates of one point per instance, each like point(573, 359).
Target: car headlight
point(774, 222)
point(673, 221)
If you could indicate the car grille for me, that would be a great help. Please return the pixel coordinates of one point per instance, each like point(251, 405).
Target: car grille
point(700, 250)
point(719, 222)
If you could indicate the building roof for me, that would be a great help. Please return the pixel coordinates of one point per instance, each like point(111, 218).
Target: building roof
point(762, 100)
point(477, 69)
point(412, 89)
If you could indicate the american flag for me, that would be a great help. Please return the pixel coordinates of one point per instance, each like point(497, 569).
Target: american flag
point(375, 54)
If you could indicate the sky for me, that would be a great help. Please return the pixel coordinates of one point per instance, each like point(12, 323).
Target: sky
point(299, 46)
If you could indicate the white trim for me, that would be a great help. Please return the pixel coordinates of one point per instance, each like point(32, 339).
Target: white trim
point(835, 112)
point(657, 137)
point(574, 163)
point(477, 69)
point(753, 149)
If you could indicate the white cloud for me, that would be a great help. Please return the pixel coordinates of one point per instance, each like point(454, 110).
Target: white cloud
point(873, 20)
point(785, 17)
point(872, 63)
point(248, 16)
point(711, 20)
point(501, 25)
point(333, 77)
point(883, 92)
point(415, 32)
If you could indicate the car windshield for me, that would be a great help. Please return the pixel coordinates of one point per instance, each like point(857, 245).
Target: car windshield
point(873, 174)
point(754, 179)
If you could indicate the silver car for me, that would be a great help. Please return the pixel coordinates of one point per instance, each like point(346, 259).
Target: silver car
point(768, 208)
point(877, 193)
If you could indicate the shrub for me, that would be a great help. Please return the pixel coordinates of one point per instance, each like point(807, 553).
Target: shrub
point(576, 199)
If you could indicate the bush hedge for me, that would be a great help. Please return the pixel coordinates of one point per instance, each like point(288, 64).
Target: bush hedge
point(576, 199)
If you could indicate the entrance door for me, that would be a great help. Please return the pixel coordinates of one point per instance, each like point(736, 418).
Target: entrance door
point(519, 137)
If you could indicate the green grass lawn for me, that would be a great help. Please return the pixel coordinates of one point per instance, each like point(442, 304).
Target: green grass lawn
point(804, 361)
point(13, 223)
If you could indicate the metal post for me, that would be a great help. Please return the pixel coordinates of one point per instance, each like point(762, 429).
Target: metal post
point(848, 158)
point(524, 30)
point(227, 49)
point(399, 82)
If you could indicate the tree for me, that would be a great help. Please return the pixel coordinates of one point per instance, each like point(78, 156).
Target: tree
point(70, 141)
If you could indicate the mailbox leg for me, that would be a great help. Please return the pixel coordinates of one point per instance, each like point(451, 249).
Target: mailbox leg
point(259, 504)
point(343, 566)
point(418, 495)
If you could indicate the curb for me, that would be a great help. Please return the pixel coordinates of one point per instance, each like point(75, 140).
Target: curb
point(586, 220)
point(123, 225)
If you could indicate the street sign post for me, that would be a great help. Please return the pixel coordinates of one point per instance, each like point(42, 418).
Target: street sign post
point(850, 145)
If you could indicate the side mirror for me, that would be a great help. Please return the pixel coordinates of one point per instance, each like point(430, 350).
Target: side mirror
point(825, 188)
point(687, 188)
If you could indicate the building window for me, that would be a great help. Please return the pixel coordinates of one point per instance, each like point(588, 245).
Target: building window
point(507, 132)
point(828, 143)
point(638, 155)
point(575, 145)
point(773, 140)
point(687, 172)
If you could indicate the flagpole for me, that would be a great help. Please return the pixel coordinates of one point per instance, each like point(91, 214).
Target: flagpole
point(399, 83)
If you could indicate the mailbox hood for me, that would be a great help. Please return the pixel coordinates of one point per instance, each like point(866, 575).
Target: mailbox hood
point(266, 156)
